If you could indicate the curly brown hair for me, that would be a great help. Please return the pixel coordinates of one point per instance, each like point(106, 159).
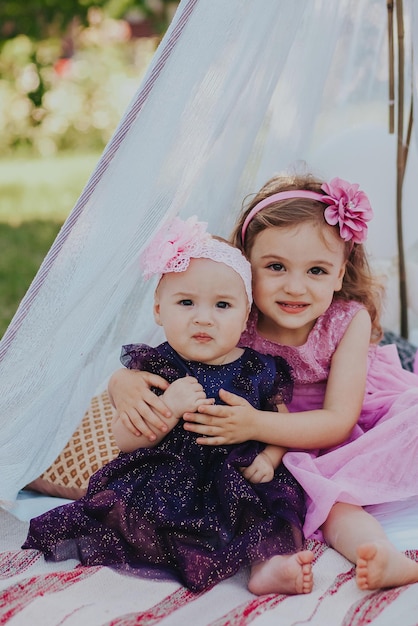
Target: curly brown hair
point(359, 283)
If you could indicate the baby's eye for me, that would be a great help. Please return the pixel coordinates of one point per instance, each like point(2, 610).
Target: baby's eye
point(276, 267)
point(317, 271)
point(186, 302)
point(223, 305)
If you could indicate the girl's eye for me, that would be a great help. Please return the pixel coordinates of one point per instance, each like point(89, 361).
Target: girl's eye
point(223, 305)
point(317, 271)
point(186, 302)
point(276, 267)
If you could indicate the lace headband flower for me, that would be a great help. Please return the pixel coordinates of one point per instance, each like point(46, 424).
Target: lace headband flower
point(179, 241)
point(348, 206)
point(173, 246)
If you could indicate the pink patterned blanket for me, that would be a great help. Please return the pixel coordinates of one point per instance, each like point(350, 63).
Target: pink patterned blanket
point(35, 592)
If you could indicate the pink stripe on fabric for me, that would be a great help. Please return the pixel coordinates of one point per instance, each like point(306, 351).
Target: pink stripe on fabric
point(246, 613)
point(16, 562)
point(369, 608)
point(101, 168)
point(163, 609)
point(18, 596)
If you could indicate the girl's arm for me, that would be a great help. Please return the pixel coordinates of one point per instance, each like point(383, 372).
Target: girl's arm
point(139, 409)
point(128, 442)
point(184, 394)
point(320, 428)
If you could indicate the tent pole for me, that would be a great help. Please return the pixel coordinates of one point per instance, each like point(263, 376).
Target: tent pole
point(391, 68)
point(400, 171)
point(409, 131)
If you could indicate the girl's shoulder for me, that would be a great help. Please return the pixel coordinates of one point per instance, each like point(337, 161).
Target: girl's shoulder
point(337, 318)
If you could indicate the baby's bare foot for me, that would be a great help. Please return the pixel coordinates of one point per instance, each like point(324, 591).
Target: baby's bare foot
point(289, 574)
point(381, 565)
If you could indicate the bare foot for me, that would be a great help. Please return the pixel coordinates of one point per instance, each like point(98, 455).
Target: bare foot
point(290, 574)
point(381, 565)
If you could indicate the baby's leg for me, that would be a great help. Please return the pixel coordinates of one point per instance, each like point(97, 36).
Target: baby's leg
point(288, 574)
point(359, 537)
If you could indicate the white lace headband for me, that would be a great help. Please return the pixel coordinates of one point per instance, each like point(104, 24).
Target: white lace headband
point(179, 241)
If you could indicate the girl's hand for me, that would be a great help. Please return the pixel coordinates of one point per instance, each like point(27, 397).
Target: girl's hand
point(261, 469)
point(139, 408)
point(185, 394)
point(220, 425)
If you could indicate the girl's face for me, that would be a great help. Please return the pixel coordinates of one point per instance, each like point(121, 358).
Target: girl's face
point(296, 271)
point(203, 311)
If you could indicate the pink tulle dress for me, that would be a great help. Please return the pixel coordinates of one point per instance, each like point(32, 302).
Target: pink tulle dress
point(379, 462)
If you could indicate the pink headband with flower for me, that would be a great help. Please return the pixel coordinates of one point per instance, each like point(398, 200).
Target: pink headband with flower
point(348, 206)
point(179, 241)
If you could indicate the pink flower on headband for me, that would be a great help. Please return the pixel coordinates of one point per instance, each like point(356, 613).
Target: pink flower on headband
point(179, 241)
point(349, 207)
point(173, 245)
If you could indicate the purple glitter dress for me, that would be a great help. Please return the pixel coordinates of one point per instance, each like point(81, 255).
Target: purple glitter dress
point(378, 462)
point(182, 510)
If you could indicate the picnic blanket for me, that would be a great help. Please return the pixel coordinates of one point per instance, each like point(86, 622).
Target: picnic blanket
point(33, 591)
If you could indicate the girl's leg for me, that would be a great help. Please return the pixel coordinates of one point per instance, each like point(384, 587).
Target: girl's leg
point(290, 574)
point(359, 537)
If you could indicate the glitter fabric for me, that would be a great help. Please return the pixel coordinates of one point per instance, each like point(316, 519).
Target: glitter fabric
point(181, 509)
point(378, 462)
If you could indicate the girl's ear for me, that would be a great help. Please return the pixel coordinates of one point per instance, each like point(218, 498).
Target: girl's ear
point(339, 283)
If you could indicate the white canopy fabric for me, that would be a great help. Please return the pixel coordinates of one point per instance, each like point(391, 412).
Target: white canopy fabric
point(237, 91)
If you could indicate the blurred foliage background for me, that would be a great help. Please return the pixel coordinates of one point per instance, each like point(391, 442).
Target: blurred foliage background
point(68, 69)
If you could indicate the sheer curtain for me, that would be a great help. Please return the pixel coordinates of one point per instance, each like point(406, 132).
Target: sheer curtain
point(236, 92)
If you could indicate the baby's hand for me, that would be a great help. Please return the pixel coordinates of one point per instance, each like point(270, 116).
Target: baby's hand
point(185, 395)
point(261, 469)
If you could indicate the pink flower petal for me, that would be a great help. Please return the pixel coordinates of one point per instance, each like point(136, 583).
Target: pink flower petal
point(349, 207)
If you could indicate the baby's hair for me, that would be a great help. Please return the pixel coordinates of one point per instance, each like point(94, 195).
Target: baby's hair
point(359, 283)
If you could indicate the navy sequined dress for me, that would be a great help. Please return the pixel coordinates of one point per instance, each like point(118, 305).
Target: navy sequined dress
point(181, 510)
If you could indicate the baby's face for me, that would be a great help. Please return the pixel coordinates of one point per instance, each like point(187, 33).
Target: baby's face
point(203, 311)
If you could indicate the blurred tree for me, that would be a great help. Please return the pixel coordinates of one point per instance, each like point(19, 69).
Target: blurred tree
point(40, 19)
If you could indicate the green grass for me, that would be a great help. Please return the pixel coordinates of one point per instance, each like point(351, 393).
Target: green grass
point(22, 251)
point(36, 196)
point(44, 188)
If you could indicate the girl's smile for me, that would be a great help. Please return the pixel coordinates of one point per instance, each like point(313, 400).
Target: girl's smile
point(293, 307)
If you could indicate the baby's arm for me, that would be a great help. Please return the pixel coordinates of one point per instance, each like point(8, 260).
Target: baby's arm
point(184, 394)
point(237, 421)
point(139, 409)
point(262, 468)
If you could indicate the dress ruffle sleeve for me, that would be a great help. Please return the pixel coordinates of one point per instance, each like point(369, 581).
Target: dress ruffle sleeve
point(140, 356)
